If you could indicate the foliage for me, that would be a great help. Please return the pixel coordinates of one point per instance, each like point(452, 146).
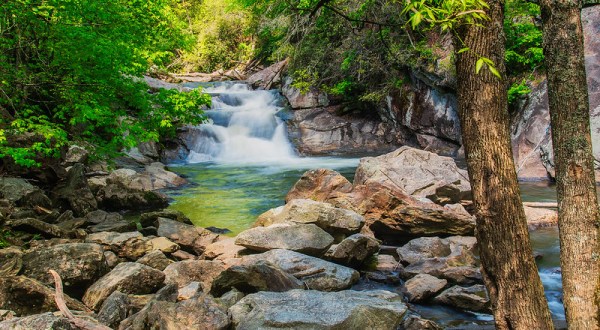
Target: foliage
point(518, 90)
point(69, 72)
point(523, 37)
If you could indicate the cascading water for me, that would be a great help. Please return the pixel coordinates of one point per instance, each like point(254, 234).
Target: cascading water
point(243, 128)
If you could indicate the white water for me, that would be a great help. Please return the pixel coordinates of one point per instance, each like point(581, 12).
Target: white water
point(243, 129)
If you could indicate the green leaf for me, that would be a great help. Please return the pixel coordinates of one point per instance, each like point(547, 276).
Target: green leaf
point(462, 50)
point(494, 71)
point(478, 65)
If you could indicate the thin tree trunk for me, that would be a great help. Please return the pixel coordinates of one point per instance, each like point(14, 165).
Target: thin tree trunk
point(578, 216)
point(508, 268)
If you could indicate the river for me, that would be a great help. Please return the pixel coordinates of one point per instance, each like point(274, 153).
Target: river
point(243, 164)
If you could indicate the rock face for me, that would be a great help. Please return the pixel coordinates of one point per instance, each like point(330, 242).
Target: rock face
point(304, 238)
point(299, 309)
point(316, 274)
point(127, 277)
point(473, 298)
point(331, 219)
point(78, 264)
point(390, 212)
point(452, 259)
point(26, 296)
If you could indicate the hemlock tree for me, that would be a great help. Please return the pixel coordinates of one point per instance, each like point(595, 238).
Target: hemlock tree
point(508, 267)
point(578, 216)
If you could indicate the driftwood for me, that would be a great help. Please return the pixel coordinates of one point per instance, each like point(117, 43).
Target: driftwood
point(62, 306)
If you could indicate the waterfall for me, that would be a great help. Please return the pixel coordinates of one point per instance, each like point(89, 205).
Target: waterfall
point(243, 127)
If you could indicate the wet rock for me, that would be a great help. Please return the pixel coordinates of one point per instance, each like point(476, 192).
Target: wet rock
point(201, 312)
point(353, 250)
point(452, 258)
point(21, 193)
point(11, 261)
point(151, 218)
point(155, 259)
point(331, 219)
point(39, 321)
point(26, 296)
point(318, 310)
point(415, 322)
point(308, 239)
point(319, 185)
point(422, 287)
point(190, 238)
point(316, 274)
point(253, 277)
point(115, 309)
point(268, 77)
point(74, 193)
point(78, 264)
point(224, 249)
point(203, 271)
point(473, 298)
point(419, 173)
point(127, 277)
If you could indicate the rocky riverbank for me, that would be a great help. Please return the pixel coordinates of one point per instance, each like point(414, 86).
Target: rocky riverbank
point(404, 223)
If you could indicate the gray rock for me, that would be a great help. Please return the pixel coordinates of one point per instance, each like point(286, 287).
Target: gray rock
point(473, 298)
point(114, 309)
point(225, 248)
point(118, 196)
point(11, 261)
point(111, 259)
point(201, 312)
point(22, 193)
point(308, 239)
point(415, 322)
point(78, 264)
point(155, 259)
point(268, 77)
point(113, 241)
point(26, 296)
point(190, 238)
point(46, 321)
point(354, 250)
point(151, 218)
point(316, 274)
point(327, 217)
point(36, 226)
point(253, 277)
point(189, 291)
point(230, 298)
point(300, 309)
point(303, 100)
point(422, 287)
point(184, 272)
point(127, 277)
point(76, 154)
point(74, 193)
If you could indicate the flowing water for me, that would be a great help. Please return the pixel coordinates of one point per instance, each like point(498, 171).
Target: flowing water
point(243, 164)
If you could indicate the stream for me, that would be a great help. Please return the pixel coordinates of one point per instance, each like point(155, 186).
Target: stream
point(243, 164)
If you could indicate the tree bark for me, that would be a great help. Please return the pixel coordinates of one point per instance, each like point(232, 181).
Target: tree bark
point(578, 216)
point(508, 267)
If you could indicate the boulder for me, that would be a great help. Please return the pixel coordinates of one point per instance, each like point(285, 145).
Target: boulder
point(201, 312)
point(304, 238)
point(319, 185)
point(253, 277)
point(316, 274)
point(118, 196)
point(189, 291)
point(127, 277)
point(76, 154)
point(22, 193)
point(155, 176)
point(268, 77)
point(353, 250)
point(415, 322)
point(224, 249)
point(11, 261)
point(473, 298)
point(307, 309)
point(327, 217)
point(78, 264)
point(188, 237)
point(115, 309)
point(203, 271)
point(26, 296)
point(155, 259)
point(452, 259)
point(35, 226)
point(303, 99)
point(163, 244)
point(540, 217)
point(419, 173)
point(45, 321)
point(151, 218)
point(422, 287)
point(74, 193)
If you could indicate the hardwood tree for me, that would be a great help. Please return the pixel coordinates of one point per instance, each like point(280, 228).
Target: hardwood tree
point(578, 216)
point(508, 267)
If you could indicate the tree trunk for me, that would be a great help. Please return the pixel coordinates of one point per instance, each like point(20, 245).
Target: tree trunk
point(508, 268)
point(578, 216)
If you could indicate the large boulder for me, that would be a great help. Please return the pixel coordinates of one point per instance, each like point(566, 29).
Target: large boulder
point(452, 259)
point(268, 77)
point(190, 238)
point(304, 238)
point(300, 309)
point(253, 277)
point(422, 287)
point(78, 264)
point(316, 274)
point(319, 185)
point(26, 296)
point(22, 193)
point(353, 250)
point(473, 298)
point(74, 193)
point(127, 277)
point(327, 217)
